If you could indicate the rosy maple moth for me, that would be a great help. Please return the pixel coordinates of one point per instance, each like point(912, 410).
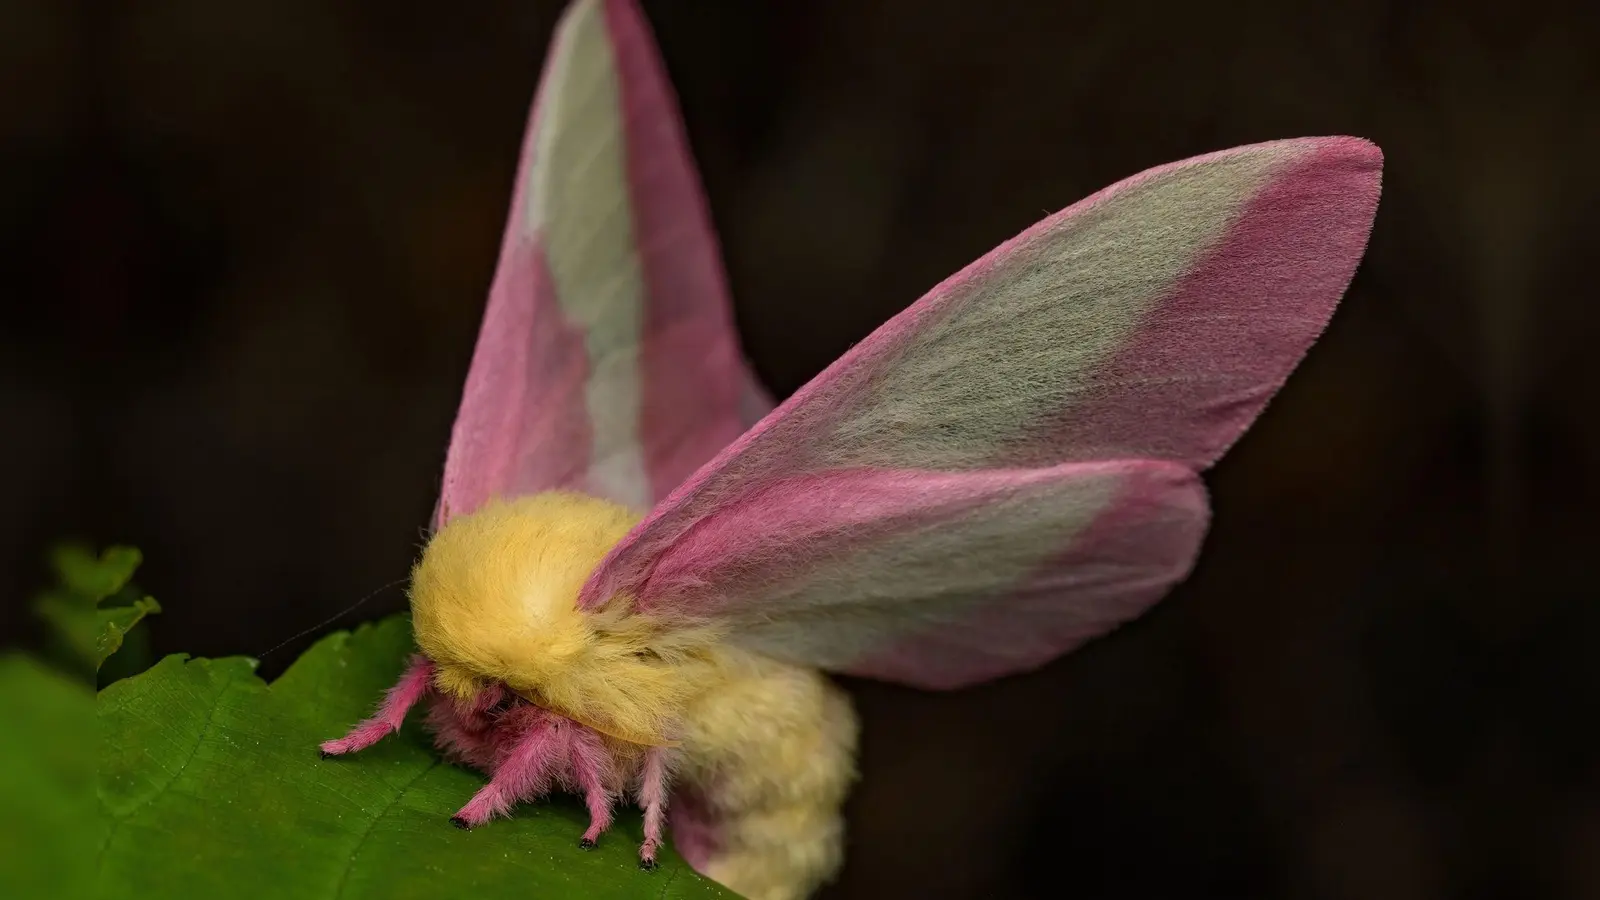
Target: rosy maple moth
point(640, 569)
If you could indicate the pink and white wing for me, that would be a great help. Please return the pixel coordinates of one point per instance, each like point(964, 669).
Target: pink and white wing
point(607, 360)
point(1009, 467)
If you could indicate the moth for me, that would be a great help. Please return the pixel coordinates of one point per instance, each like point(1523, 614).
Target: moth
point(640, 570)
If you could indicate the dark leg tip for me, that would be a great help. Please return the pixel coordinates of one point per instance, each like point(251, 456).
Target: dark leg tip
point(461, 823)
point(323, 754)
point(649, 865)
point(585, 844)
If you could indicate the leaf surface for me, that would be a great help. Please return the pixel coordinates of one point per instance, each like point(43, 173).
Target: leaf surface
point(210, 785)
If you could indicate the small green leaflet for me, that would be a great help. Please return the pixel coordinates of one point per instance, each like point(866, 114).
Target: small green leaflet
point(88, 627)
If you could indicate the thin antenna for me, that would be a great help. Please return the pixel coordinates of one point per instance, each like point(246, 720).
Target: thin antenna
point(336, 617)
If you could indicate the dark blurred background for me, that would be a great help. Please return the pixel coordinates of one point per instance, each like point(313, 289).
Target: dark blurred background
point(246, 246)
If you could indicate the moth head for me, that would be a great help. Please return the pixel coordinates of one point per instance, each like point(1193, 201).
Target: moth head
point(494, 601)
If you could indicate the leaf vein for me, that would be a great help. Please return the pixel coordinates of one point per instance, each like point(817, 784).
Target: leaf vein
point(205, 732)
point(350, 861)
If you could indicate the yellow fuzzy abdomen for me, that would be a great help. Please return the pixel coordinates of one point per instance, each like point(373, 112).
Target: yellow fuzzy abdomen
point(770, 752)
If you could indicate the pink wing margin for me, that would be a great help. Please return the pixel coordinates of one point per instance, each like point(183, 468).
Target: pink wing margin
point(1037, 420)
point(558, 396)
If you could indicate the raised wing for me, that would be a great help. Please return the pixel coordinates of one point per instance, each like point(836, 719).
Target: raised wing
point(1147, 325)
point(607, 360)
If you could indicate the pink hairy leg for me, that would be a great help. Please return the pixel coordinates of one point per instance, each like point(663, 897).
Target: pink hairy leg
point(589, 766)
point(653, 798)
point(525, 772)
point(396, 703)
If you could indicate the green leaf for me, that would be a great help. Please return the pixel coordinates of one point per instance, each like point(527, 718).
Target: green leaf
point(133, 657)
point(47, 771)
point(112, 625)
point(210, 785)
point(94, 579)
point(89, 629)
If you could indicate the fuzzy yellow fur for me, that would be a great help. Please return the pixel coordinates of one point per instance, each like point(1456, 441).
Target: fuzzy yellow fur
point(771, 751)
point(494, 599)
point(768, 747)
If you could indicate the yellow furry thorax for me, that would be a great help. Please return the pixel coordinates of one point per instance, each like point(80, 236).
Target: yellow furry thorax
point(494, 599)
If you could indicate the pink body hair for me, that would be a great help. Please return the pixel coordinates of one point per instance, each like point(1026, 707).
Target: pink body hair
point(526, 751)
